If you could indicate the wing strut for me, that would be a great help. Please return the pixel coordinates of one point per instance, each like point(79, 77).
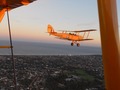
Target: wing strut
point(12, 54)
point(84, 34)
point(88, 34)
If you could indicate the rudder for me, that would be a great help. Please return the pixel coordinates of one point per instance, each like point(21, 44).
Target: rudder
point(50, 29)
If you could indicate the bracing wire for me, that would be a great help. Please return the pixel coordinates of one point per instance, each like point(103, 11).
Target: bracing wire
point(12, 54)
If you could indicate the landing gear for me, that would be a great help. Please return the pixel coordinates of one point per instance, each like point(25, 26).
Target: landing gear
point(78, 44)
point(72, 44)
point(75, 42)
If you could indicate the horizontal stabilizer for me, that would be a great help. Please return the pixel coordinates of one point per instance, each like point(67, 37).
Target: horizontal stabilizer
point(6, 47)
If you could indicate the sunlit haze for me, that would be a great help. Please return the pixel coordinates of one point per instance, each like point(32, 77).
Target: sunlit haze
point(29, 23)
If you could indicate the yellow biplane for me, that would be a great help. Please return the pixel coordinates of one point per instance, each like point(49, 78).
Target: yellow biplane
point(73, 36)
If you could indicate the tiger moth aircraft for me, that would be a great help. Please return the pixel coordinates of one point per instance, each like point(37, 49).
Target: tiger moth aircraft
point(73, 36)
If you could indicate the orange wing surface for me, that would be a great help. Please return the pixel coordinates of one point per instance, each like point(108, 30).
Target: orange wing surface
point(11, 4)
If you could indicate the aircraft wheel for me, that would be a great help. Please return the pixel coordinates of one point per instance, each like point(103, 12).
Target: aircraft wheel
point(78, 44)
point(72, 44)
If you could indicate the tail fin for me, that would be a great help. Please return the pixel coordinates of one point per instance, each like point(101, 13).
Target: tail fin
point(50, 29)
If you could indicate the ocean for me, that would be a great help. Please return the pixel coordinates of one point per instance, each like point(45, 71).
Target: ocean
point(35, 48)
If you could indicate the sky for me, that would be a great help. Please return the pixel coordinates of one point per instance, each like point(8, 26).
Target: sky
point(29, 23)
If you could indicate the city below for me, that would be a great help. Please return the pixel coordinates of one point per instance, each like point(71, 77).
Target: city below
point(59, 72)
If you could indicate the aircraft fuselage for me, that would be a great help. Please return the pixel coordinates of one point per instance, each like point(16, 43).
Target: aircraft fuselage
point(68, 36)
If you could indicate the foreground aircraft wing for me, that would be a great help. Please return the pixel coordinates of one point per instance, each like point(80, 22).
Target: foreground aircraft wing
point(11, 4)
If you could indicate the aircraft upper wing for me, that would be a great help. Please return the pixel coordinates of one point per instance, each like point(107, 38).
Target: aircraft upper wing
point(78, 30)
point(85, 30)
point(11, 4)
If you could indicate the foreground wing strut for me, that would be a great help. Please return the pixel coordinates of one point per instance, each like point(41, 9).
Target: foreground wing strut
point(5, 6)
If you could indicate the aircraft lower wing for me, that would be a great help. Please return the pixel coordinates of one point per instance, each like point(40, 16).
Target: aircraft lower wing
point(84, 39)
point(73, 40)
point(11, 4)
